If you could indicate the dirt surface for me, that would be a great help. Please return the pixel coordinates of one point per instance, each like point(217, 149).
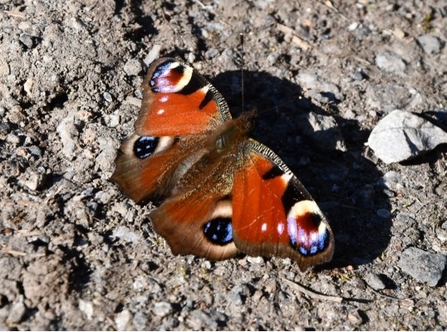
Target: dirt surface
point(77, 254)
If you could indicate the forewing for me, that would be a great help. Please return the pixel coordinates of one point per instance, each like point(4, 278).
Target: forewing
point(148, 168)
point(178, 101)
point(179, 110)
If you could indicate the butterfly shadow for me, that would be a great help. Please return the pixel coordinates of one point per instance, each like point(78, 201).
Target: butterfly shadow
point(330, 162)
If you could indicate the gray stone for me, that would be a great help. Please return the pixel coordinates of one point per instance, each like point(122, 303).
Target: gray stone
point(423, 266)
point(374, 281)
point(68, 133)
point(12, 138)
point(26, 40)
point(255, 260)
point(430, 44)
point(140, 321)
point(35, 150)
point(323, 129)
point(441, 232)
point(390, 62)
point(403, 135)
point(355, 317)
point(122, 320)
point(133, 67)
point(320, 89)
point(392, 180)
point(236, 295)
point(199, 320)
point(386, 96)
point(32, 180)
point(17, 313)
point(126, 234)
point(162, 309)
point(107, 97)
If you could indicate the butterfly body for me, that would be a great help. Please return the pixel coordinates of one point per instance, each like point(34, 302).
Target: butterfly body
point(220, 191)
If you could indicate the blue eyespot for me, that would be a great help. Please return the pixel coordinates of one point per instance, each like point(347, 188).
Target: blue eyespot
point(219, 231)
point(145, 146)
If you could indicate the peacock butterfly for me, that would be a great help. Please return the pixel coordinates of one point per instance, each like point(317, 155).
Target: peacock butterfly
point(220, 191)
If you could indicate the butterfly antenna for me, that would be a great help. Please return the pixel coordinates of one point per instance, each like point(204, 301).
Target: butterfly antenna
point(242, 56)
point(285, 103)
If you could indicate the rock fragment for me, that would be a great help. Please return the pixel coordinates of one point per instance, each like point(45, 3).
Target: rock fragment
point(403, 136)
point(423, 266)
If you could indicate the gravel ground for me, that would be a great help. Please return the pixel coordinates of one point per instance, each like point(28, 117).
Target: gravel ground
point(77, 254)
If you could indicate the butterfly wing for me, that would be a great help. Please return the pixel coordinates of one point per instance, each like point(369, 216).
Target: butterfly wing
point(148, 167)
point(273, 214)
point(178, 101)
point(197, 220)
point(179, 110)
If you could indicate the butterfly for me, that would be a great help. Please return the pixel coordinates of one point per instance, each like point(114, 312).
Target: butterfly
point(220, 192)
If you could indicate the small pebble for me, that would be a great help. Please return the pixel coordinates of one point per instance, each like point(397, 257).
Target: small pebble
point(392, 180)
point(16, 313)
point(199, 320)
point(33, 181)
point(133, 67)
point(354, 317)
point(211, 53)
point(430, 44)
point(324, 131)
point(140, 321)
point(68, 133)
point(398, 33)
point(236, 295)
point(87, 308)
point(122, 320)
point(35, 151)
point(353, 26)
point(152, 55)
point(255, 260)
point(383, 213)
point(12, 138)
point(124, 233)
point(114, 120)
point(390, 62)
point(26, 40)
point(107, 97)
point(162, 309)
point(358, 283)
point(441, 232)
point(423, 266)
point(374, 281)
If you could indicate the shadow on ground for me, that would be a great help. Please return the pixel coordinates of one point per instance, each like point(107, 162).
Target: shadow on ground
point(345, 184)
